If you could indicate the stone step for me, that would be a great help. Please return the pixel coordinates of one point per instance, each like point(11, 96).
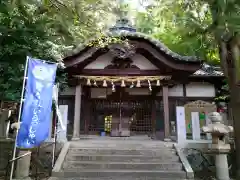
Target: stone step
point(101, 151)
point(122, 158)
point(120, 145)
point(124, 174)
point(115, 178)
point(78, 166)
point(123, 147)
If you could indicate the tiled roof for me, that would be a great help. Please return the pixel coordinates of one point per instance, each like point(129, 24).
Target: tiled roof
point(208, 70)
point(130, 34)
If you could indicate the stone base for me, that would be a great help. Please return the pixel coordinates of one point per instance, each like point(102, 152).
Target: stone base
point(125, 133)
point(75, 138)
point(167, 140)
point(26, 178)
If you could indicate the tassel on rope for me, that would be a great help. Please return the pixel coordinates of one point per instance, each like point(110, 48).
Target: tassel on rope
point(89, 82)
point(149, 85)
point(113, 87)
point(95, 83)
point(123, 84)
point(132, 85)
point(138, 83)
point(104, 83)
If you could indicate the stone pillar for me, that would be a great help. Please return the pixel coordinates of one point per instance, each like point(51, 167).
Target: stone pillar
point(23, 165)
point(221, 163)
point(77, 113)
point(166, 112)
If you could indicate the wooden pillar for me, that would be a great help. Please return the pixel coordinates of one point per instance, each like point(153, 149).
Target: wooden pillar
point(184, 94)
point(166, 112)
point(77, 113)
point(86, 109)
point(153, 113)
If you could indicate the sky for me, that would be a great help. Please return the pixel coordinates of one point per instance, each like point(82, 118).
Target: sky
point(138, 4)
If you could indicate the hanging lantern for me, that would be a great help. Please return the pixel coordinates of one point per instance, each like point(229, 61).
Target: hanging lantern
point(132, 85)
point(123, 84)
point(89, 82)
point(158, 83)
point(138, 83)
point(104, 83)
point(113, 87)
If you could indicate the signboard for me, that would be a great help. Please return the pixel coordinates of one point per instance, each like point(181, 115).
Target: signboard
point(62, 132)
point(196, 130)
point(181, 126)
point(208, 121)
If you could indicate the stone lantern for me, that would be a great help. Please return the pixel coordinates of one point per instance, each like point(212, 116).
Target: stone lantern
point(219, 146)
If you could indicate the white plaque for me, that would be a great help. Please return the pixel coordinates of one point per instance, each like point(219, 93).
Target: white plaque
point(196, 131)
point(62, 122)
point(181, 125)
point(208, 121)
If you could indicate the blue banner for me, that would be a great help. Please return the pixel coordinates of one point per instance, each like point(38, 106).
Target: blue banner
point(37, 107)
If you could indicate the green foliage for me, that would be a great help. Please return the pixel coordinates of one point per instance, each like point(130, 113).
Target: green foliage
point(180, 26)
point(45, 30)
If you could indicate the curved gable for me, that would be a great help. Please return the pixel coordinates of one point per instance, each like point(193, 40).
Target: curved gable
point(156, 54)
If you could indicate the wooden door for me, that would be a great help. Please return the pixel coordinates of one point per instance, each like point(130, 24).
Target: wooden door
point(120, 122)
point(125, 113)
point(116, 129)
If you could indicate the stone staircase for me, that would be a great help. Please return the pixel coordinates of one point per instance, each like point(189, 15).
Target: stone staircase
point(121, 160)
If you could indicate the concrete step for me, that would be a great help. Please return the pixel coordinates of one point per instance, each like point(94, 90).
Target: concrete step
point(78, 166)
point(121, 144)
point(122, 158)
point(124, 174)
point(116, 178)
point(101, 151)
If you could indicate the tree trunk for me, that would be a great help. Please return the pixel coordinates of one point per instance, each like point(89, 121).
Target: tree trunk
point(230, 61)
point(235, 106)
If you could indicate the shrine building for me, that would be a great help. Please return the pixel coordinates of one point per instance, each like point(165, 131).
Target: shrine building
point(132, 87)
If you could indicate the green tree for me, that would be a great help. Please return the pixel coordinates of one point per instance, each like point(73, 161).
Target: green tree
point(166, 21)
point(43, 29)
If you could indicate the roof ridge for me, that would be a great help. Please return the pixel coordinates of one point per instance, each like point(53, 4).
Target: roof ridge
point(126, 34)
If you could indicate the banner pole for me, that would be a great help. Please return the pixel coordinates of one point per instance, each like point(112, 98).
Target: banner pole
point(55, 139)
point(56, 121)
point(19, 116)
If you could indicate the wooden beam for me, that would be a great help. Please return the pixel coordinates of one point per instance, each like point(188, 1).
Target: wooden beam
point(120, 72)
point(177, 75)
